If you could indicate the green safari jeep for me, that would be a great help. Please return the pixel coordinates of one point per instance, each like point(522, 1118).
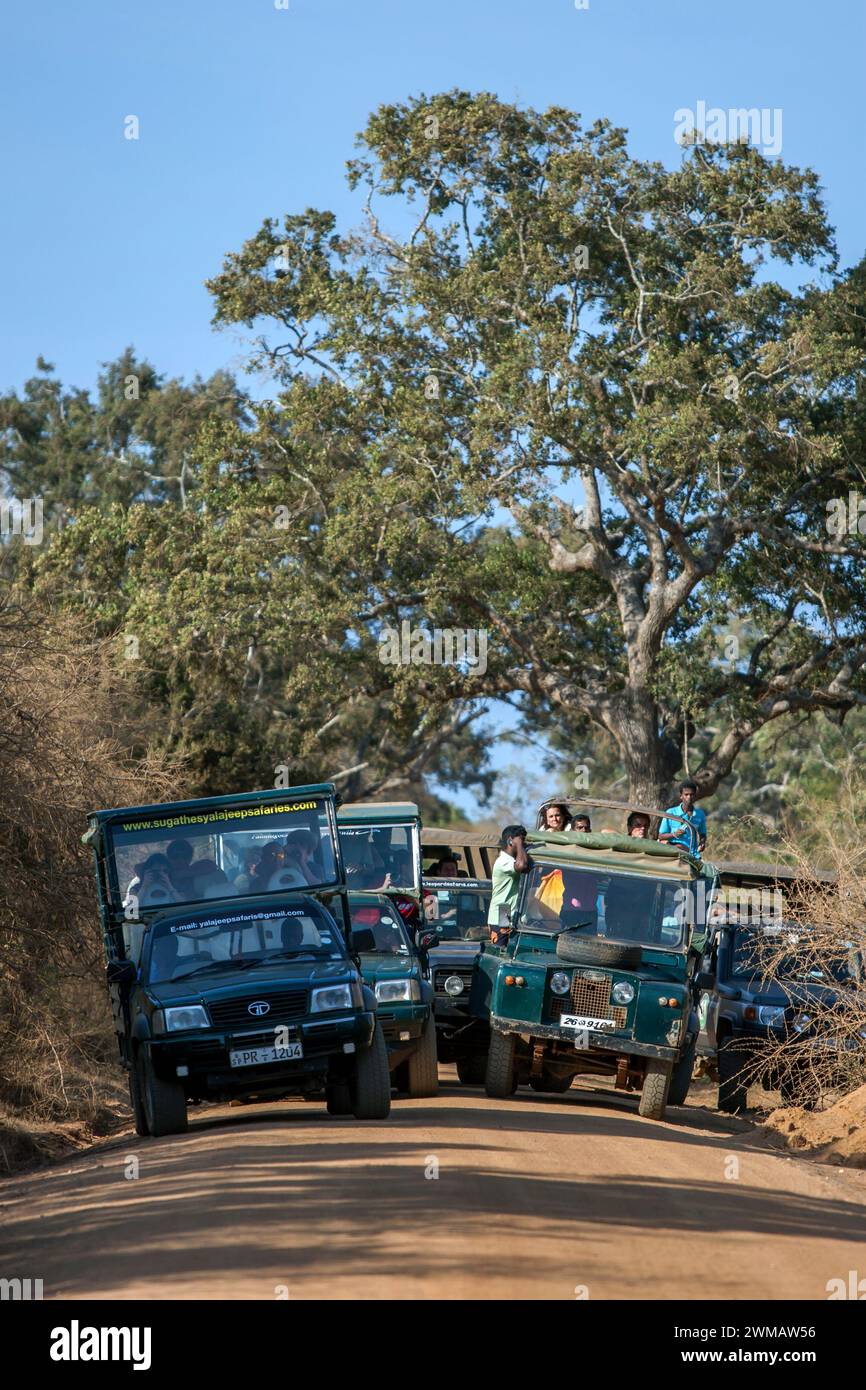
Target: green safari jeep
point(598, 973)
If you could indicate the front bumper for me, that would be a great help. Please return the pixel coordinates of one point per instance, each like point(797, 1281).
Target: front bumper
point(598, 1042)
point(205, 1053)
point(398, 1018)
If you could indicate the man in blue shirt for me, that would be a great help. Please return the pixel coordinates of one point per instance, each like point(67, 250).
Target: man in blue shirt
point(692, 835)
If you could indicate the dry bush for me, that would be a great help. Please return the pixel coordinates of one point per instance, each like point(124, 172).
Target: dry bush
point(64, 745)
point(818, 956)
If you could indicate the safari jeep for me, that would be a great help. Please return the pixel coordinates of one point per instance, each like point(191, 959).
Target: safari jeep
point(229, 975)
point(381, 846)
point(597, 973)
point(455, 910)
point(396, 969)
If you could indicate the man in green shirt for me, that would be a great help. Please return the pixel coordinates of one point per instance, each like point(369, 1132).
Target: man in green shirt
point(510, 864)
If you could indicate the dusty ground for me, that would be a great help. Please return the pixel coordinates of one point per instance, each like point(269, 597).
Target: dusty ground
point(534, 1198)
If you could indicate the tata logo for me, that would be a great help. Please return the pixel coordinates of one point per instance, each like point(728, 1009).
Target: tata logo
point(259, 1008)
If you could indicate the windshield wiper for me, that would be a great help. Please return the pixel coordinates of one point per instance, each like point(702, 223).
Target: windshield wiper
point(211, 965)
point(286, 955)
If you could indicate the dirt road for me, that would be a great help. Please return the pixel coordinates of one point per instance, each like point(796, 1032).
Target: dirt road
point(534, 1198)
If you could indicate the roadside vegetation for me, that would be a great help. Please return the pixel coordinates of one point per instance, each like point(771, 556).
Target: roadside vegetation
point(60, 757)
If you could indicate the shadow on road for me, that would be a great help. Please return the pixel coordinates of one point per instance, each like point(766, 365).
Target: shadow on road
point(251, 1193)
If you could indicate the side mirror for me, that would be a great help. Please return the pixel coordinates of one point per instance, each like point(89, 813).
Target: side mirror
point(121, 972)
point(705, 980)
point(427, 939)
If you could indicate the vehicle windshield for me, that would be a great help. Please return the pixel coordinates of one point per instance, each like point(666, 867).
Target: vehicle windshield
point(232, 941)
point(456, 914)
point(783, 955)
point(616, 906)
point(235, 852)
point(377, 928)
point(380, 856)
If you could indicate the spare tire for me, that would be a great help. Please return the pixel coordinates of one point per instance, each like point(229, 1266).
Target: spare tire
point(593, 950)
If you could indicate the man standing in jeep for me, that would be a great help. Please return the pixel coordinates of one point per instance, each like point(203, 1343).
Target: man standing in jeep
point(693, 834)
point(510, 864)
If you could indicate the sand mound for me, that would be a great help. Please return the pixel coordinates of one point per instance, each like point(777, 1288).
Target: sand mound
point(835, 1135)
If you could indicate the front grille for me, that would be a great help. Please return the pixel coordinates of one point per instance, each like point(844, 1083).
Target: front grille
point(590, 998)
point(441, 974)
point(234, 1013)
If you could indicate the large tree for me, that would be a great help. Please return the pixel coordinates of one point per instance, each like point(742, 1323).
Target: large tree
point(628, 361)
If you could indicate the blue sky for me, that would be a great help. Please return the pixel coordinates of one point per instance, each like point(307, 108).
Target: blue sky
point(247, 110)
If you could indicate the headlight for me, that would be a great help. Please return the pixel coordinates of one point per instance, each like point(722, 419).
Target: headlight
point(770, 1017)
point(801, 1022)
point(334, 997)
point(390, 991)
point(454, 985)
point(560, 983)
point(622, 992)
point(176, 1020)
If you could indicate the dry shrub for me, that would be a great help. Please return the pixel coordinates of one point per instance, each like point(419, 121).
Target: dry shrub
point(64, 750)
point(818, 955)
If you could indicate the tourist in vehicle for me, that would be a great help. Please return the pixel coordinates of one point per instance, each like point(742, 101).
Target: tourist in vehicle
point(210, 881)
point(512, 861)
point(691, 835)
point(179, 855)
point(269, 861)
point(556, 816)
point(638, 826)
point(582, 824)
point(299, 850)
point(152, 882)
point(443, 868)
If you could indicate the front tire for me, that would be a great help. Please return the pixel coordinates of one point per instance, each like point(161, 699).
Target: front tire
point(372, 1090)
point(656, 1088)
point(471, 1071)
point(163, 1102)
point(500, 1080)
point(733, 1083)
point(423, 1066)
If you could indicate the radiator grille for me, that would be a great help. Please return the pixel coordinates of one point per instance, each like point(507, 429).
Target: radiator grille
point(590, 997)
point(234, 1013)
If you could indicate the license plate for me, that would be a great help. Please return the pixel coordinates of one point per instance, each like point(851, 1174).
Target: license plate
point(587, 1025)
point(258, 1056)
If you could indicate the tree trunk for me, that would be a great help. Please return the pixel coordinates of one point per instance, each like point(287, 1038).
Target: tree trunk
point(650, 759)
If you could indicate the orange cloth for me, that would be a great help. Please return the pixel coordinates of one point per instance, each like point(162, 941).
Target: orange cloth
point(552, 890)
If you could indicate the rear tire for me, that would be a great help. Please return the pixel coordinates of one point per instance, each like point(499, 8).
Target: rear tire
point(423, 1066)
point(656, 1088)
point(163, 1102)
point(591, 950)
point(681, 1077)
point(136, 1100)
point(500, 1079)
point(471, 1071)
point(733, 1087)
point(372, 1090)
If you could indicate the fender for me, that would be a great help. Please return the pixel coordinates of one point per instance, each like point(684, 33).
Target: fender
point(428, 994)
point(369, 998)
